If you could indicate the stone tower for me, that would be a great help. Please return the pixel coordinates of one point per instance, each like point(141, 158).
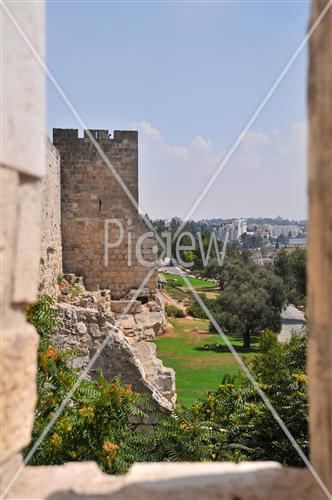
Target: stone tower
point(91, 196)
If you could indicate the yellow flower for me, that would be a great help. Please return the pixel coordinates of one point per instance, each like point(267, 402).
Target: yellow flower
point(51, 351)
point(196, 409)
point(87, 411)
point(251, 409)
point(300, 377)
point(65, 424)
point(56, 440)
point(110, 447)
point(111, 450)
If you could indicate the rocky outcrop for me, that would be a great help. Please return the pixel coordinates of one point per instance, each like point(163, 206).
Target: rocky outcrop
point(163, 379)
point(146, 324)
point(88, 319)
point(120, 359)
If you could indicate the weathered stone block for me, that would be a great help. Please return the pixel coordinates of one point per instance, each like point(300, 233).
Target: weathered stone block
point(27, 249)
point(18, 387)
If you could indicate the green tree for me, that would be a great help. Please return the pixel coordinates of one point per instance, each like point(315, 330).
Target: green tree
point(297, 260)
point(291, 267)
point(252, 298)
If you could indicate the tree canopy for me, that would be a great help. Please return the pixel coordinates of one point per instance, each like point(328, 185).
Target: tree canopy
point(252, 298)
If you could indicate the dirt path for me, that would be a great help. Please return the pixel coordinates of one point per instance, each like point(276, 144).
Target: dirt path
point(169, 300)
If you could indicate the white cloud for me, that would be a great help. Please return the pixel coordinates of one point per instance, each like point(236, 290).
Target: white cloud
point(253, 139)
point(300, 130)
point(201, 143)
point(178, 151)
point(300, 126)
point(148, 130)
point(254, 148)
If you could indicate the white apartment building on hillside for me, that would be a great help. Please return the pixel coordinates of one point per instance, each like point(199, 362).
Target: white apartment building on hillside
point(235, 229)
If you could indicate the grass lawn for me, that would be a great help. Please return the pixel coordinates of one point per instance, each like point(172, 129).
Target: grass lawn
point(178, 290)
point(175, 279)
point(197, 370)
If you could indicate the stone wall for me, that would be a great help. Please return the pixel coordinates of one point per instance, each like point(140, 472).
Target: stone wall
point(51, 245)
point(320, 244)
point(22, 165)
point(90, 195)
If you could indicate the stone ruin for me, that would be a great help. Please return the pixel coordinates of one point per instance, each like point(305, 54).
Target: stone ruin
point(79, 192)
point(87, 318)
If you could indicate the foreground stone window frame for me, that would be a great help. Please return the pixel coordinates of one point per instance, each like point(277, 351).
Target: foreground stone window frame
point(20, 175)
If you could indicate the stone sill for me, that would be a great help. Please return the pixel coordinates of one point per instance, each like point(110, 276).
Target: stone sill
point(162, 481)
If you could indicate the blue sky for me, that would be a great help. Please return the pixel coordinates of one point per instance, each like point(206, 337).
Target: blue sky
point(188, 76)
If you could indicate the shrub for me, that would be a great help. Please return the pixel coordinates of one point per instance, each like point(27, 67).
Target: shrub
point(196, 311)
point(96, 423)
point(43, 315)
point(176, 312)
point(239, 425)
point(75, 290)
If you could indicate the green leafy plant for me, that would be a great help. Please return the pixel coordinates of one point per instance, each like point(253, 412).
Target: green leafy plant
point(233, 423)
point(75, 289)
point(59, 278)
point(96, 423)
point(196, 311)
point(43, 315)
point(172, 310)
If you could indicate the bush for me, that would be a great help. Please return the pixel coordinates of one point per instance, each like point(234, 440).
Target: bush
point(234, 423)
point(196, 311)
point(97, 422)
point(174, 311)
point(43, 315)
point(95, 425)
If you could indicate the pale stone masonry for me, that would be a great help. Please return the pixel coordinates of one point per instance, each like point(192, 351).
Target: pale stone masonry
point(90, 194)
point(21, 167)
point(51, 245)
point(320, 244)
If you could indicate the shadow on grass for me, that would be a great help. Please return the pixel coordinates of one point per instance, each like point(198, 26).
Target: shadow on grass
point(221, 348)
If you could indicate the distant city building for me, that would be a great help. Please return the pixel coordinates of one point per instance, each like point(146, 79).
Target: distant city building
point(235, 229)
point(262, 259)
point(285, 230)
point(265, 231)
point(297, 242)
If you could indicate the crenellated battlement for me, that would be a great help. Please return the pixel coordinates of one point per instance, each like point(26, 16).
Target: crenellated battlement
point(64, 135)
